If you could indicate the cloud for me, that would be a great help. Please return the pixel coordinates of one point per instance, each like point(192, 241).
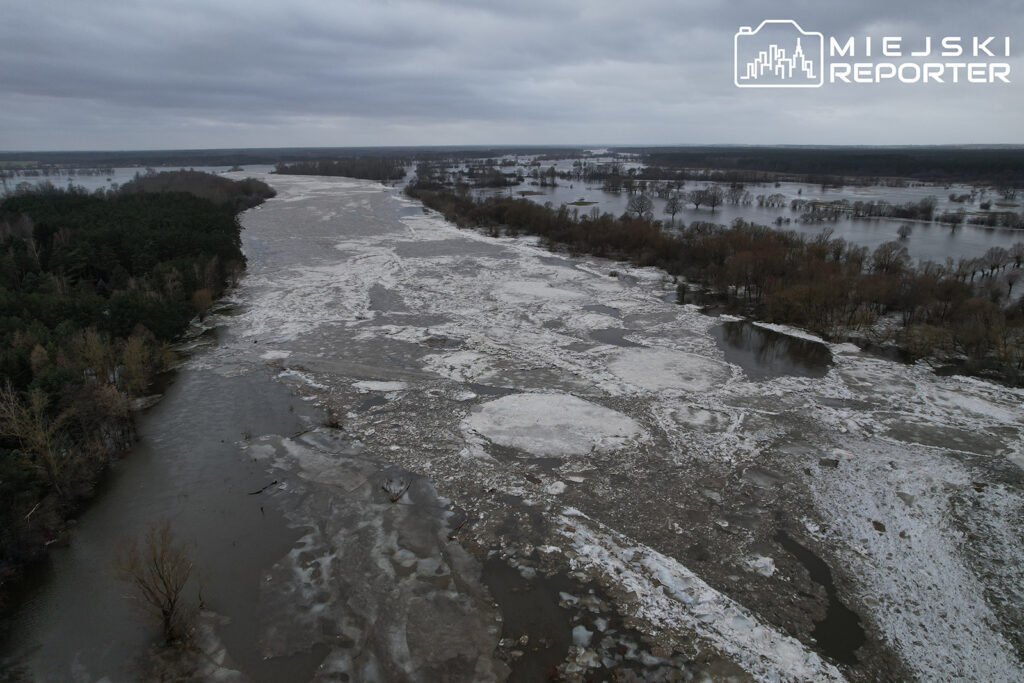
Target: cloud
point(122, 74)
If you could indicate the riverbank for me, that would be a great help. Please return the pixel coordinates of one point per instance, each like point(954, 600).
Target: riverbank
point(95, 288)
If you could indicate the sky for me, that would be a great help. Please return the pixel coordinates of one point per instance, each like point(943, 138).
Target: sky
point(117, 74)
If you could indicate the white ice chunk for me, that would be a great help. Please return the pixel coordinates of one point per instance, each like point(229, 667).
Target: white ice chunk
point(552, 424)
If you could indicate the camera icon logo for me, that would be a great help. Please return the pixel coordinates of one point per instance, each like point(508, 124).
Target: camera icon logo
point(778, 54)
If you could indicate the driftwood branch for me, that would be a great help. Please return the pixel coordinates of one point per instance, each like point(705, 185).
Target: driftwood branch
point(256, 493)
point(36, 507)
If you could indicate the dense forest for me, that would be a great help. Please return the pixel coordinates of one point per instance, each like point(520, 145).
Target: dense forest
point(383, 169)
point(964, 311)
point(93, 287)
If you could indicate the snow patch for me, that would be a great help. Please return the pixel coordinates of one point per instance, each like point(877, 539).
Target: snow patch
point(791, 331)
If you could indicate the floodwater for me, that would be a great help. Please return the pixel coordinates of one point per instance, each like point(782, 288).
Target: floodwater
point(765, 353)
point(932, 241)
point(839, 632)
point(410, 452)
point(928, 240)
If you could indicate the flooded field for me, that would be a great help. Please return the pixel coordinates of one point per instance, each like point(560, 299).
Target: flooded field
point(478, 460)
point(927, 240)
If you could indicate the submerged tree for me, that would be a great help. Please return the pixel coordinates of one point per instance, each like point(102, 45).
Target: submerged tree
point(159, 567)
point(713, 196)
point(640, 205)
point(673, 206)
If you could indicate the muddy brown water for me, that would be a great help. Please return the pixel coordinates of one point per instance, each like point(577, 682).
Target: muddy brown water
point(187, 469)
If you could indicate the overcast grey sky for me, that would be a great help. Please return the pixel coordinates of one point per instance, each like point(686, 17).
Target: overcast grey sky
point(117, 74)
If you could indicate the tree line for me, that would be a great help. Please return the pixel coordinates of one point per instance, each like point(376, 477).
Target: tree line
point(93, 288)
point(963, 310)
point(994, 165)
point(382, 169)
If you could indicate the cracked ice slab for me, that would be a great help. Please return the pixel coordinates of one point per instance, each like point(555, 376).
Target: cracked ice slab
point(552, 424)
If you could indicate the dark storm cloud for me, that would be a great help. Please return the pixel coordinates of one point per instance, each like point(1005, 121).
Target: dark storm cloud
point(173, 74)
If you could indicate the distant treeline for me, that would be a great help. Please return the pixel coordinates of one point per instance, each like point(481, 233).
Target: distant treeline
point(41, 171)
point(382, 169)
point(963, 309)
point(996, 165)
point(816, 165)
point(93, 287)
point(228, 157)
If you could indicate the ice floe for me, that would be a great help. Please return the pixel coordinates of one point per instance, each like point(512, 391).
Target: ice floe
point(552, 424)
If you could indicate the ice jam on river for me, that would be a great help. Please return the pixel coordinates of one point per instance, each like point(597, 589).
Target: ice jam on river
point(587, 478)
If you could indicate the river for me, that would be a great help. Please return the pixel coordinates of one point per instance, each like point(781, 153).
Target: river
point(585, 476)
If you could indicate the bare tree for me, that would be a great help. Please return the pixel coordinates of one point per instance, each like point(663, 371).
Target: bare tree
point(996, 258)
point(640, 205)
point(1011, 279)
point(713, 196)
point(673, 205)
point(1017, 254)
point(735, 194)
point(904, 231)
point(697, 197)
point(890, 257)
point(160, 568)
point(40, 436)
